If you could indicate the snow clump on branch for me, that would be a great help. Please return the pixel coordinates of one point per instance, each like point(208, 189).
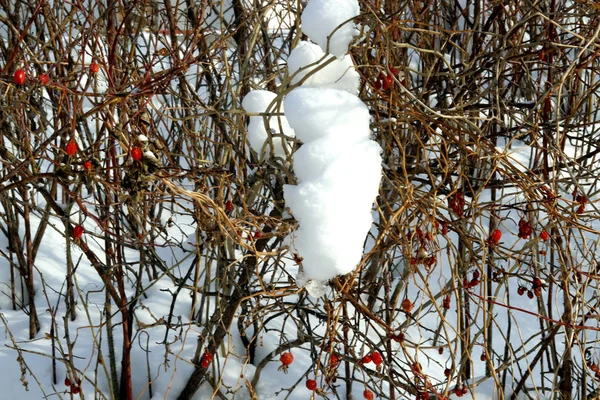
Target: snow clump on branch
point(338, 166)
point(327, 23)
point(258, 101)
point(337, 74)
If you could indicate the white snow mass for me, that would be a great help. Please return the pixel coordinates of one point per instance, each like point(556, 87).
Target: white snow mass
point(258, 101)
point(320, 19)
point(338, 74)
point(339, 170)
point(315, 113)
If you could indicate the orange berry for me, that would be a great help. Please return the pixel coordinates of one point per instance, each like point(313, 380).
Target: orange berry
point(406, 305)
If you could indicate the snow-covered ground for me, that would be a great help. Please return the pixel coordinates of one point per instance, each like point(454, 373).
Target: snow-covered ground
point(512, 259)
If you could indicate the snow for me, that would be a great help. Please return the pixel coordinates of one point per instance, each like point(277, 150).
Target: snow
point(339, 170)
point(261, 129)
point(316, 113)
point(323, 71)
point(326, 22)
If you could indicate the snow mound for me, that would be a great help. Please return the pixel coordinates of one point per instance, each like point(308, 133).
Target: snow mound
point(261, 129)
point(337, 74)
point(321, 18)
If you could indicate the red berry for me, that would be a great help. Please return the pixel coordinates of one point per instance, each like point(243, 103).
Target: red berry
point(287, 358)
point(496, 236)
point(206, 359)
point(257, 235)
point(77, 231)
point(441, 351)
point(87, 166)
point(521, 290)
point(537, 282)
point(366, 359)
point(431, 260)
point(581, 199)
point(43, 78)
point(71, 148)
point(387, 82)
point(368, 394)
point(530, 294)
point(376, 357)
point(444, 228)
point(483, 356)
point(580, 209)
point(377, 84)
point(406, 305)
point(447, 372)
point(544, 235)
point(67, 382)
point(136, 154)
point(20, 77)
point(334, 360)
point(75, 389)
point(228, 206)
point(399, 337)
point(393, 71)
point(311, 384)
point(446, 302)
point(94, 68)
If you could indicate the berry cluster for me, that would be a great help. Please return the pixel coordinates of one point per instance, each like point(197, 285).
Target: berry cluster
point(20, 78)
point(594, 368)
point(525, 229)
point(385, 81)
point(460, 391)
point(473, 282)
point(581, 201)
point(207, 358)
point(536, 289)
point(456, 202)
point(422, 255)
point(374, 357)
point(74, 387)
